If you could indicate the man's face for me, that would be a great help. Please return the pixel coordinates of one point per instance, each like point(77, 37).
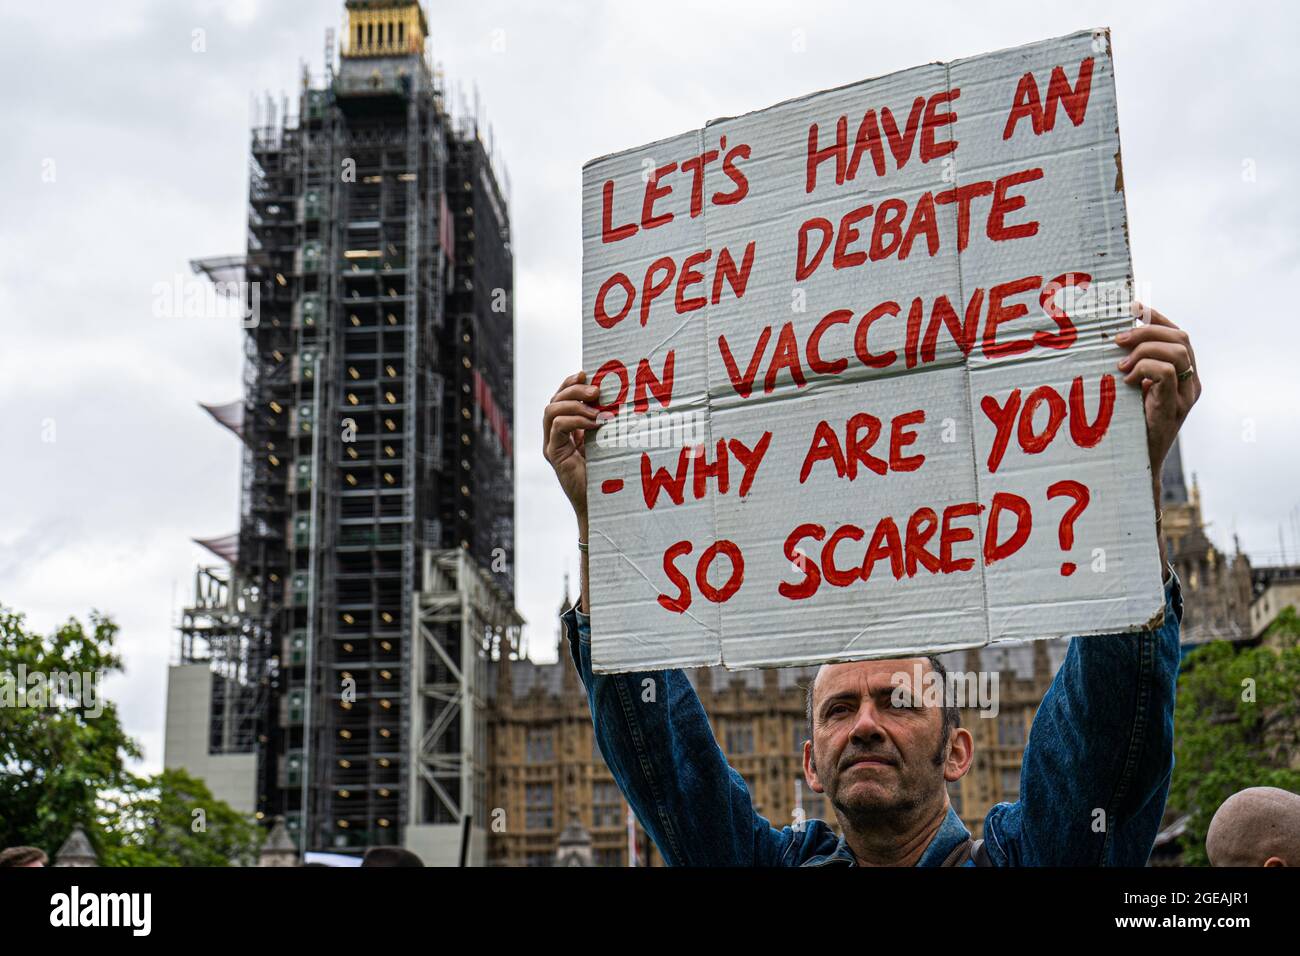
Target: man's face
point(869, 755)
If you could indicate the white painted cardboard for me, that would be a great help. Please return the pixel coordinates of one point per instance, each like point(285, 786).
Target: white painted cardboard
point(1078, 205)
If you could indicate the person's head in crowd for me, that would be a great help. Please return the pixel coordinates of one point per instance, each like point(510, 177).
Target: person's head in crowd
point(1259, 826)
point(23, 856)
point(876, 754)
point(390, 856)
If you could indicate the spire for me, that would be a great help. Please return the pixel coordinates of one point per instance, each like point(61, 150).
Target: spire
point(574, 845)
point(569, 682)
point(278, 850)
point(559, 625)
point(1173, 486)
point(76, 850)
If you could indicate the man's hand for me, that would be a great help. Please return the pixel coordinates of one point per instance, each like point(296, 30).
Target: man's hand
point(565, 423)
point(1161, 360)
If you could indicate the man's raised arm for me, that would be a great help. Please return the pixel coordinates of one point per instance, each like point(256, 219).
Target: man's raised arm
point(1096, 770)
point(650, 726)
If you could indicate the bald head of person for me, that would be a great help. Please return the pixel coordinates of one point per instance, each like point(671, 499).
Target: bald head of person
point(1256, 827)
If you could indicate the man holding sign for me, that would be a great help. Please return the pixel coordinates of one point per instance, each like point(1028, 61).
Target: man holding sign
point(1095, 773)
point(855, 378)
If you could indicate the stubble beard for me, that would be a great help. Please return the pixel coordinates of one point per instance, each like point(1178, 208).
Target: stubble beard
point(866, 811)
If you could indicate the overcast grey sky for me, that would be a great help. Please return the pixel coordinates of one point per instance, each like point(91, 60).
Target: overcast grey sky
point(146, 144)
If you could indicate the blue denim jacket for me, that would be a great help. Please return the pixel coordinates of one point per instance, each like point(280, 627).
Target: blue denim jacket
point(1093, 781)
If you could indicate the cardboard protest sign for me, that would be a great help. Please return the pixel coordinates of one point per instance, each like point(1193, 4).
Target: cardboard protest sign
point(858, 353)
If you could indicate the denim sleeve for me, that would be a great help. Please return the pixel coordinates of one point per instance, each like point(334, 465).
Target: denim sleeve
point(657, 742)
point(1096, 770)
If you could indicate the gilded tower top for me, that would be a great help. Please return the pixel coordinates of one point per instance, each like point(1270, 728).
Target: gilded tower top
point(385, 28)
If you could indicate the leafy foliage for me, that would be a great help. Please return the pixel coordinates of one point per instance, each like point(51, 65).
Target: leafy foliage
point(172, 819)
point(1237, 725)
point(55, 759)
point(63, 761)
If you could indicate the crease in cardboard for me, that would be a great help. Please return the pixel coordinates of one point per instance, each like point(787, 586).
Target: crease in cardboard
point(709, 409)
point(968, 392)
point(637, 568)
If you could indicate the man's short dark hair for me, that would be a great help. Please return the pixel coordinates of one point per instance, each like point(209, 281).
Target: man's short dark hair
point(23, 856)
point(390, 856)
point(951, 715)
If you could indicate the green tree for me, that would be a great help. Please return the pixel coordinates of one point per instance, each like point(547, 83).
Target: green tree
point(63, 761)
point(1236, 725)
point(173, 819)
point(58, 753)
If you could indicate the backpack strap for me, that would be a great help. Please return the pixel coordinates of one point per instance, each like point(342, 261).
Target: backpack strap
point(968, 849)
point(959, 855)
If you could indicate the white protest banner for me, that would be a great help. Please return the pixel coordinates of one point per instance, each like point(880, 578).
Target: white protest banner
point(858, 353)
